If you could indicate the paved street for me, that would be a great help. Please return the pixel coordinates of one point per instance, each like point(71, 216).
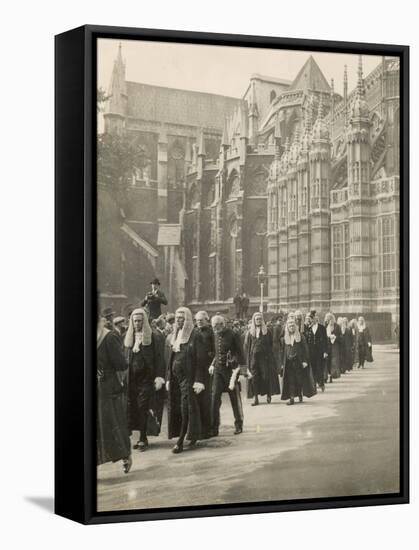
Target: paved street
point(342, 442)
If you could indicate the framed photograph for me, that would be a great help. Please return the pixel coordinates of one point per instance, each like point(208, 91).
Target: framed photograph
point(231, 274)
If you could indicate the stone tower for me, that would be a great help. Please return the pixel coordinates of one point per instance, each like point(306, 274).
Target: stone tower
point(359, 199)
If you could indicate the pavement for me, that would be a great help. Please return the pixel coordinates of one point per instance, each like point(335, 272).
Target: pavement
point(338, 443)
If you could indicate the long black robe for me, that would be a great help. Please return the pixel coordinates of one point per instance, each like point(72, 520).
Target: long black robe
point(182, 394)
point(334, 351)
point(347, 349)
point(364, 350)
point(141, 374)
point(317, 347)
point(112, 434)
point(204, 355)
point(298, 380)
point(261, 364)
point(155, 417)
point(277, 343)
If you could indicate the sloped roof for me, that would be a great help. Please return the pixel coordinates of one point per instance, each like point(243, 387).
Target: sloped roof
point(133, 235)
point(176, 106)
point(310, 77)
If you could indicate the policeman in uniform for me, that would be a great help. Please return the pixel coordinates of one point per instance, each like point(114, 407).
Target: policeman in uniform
point(225, 369)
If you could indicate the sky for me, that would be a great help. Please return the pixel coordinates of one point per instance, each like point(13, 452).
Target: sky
point(218, 69)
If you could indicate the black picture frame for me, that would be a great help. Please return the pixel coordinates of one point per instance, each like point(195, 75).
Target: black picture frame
point(75, 273)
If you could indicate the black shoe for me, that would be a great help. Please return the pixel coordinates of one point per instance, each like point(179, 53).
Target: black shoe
point(137, 445)
point(127, 463)
point(290, 402)
point(268, 399)
point(177, 449)
point(255, 403)
point(238, 430)
point(300, 398)
point(322, 388)
point(142, 445)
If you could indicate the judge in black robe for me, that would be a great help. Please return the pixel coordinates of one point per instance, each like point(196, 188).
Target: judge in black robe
point(158, 397)
point(185, 380)
point(144, 356)
point(347, 344)
point(364, 343)
point(112, 436)
point(315, 335)
point(262, 372)
point(334, 346)
point(204, 356)
point(297, 376)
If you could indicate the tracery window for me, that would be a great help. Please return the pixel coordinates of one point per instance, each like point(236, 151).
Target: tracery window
point(340, 256)
point(387, 251)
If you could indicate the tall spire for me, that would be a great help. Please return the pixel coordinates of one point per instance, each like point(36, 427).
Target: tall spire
point(360, 106)
point(332, 103)
point(309, 115)
point(345, 93)
point(308, 119)
point(253, 117)
point(320, 130)
point(383, 77)
point(116, 106)
point(360, 84)
point(320, 111)
point(277, 136)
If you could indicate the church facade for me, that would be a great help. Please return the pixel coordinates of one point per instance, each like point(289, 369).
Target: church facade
point(292, 177)
point(140, 233)
point(307, 185)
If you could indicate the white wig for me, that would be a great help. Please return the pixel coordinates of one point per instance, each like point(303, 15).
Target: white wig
point(134, 339)
point(185, 331)
point(263, 327)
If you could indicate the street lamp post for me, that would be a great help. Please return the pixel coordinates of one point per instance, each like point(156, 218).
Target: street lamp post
point(261, 279)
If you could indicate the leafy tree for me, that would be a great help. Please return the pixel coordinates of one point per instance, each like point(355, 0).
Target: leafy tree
point(116, 158)
point(102, 98)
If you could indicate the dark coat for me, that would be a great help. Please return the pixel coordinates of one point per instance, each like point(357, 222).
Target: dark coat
point(261, 364)
point(204, 351)
point(308, 387)
point(277, 343)
point(113, 441)
point(204, 356)
point(317, 347)
point(237, 301)
point(195, 373)
point(227, 343)
point(364, 350)
point(245, 304)
point(347, 349)
point(157, 399)
point(334, 352)
point(152, 303)
point(143, 367)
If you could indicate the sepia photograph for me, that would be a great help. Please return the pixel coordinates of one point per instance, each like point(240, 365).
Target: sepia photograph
point(248, 275)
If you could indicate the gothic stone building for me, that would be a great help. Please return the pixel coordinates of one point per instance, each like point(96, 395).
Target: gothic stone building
point(306, 183)
point(292, 176)
point(139, 217)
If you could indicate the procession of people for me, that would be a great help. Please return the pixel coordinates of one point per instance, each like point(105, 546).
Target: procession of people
point(152, 360)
